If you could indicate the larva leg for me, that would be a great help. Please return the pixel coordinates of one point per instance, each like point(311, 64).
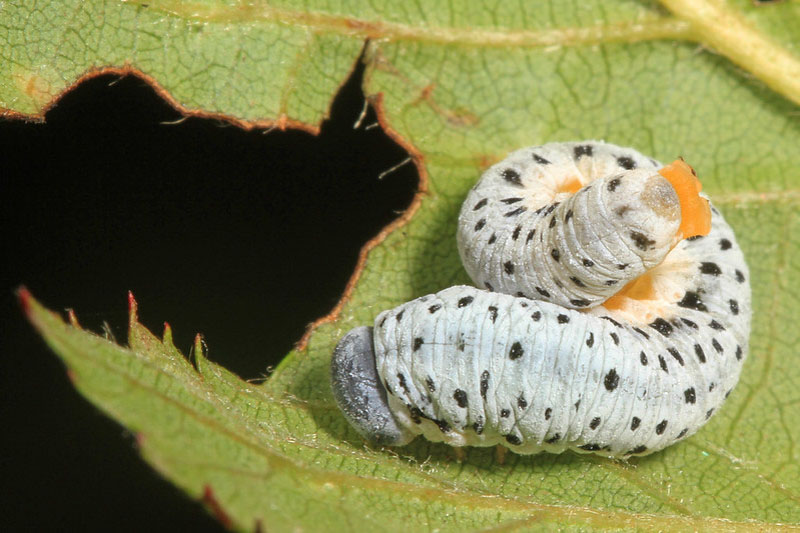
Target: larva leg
point(358, 390)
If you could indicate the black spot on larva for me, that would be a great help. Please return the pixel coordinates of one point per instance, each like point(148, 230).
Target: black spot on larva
point(484, 383)
point(694, 237)
point(555, 438)
point(542, 292)
point(739, 276)
point(579, 302)
point(642, 333)
point(512, 176)
point(492, 313)
point(712, 387)
point(513, 439)
point(435, 307)
point(416, 414)
point(465, 301)
point(383, 321)
point(582, 150)
point(489, 286)
point(712, 269)
point(642, 241)
point(676, 355)
point(536, 316)
point(505, 413)
point(478, 425)
point(418, 342)
point(521, 294)
point(661, 427)
point(622, 266)
point(635, 421)
point(615, 338)
point(716, 325)
point(626, 162)
point(738, 353)
point(643, 358)
point(594, 423)
point(480, 204)
point(568, 215)
point(611, 380)
point(717, 346)
point(590, 340)
point(461, 345)
point(444, 427)
point(724, 244)
point(552, 223)
point(492, 239)
point(577, 281)
point(620, 211)
point(701, 355)
point(588, 263)
point(728, 394)
point(388, 387)
point(508, 267)
point(639, 449)
point(562, 319)
point(610, 282)
point(540, 160)
point(550, 208)
point(522, 304)
point(481, 223)
point(516, 351)
point(399, 316)
point(531, 233)
point(430, 384)
point(689, 395)
point(613, 184)
point(516, 211)
point(515, 235)
point(590, 447)
point(661, 326)
point(734, 306)
point(460, 397)
point(401, 379)
point(663, 363)
point(547, 413)
point(555, 254)
point(691, 300)
point(612, 321)
point(522, 403)
point(577, 404)
point(682, 434)
point(512, 200)
point(689, 323)
point(709, 413)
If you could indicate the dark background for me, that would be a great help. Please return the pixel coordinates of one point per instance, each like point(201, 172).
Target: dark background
point(243, 236)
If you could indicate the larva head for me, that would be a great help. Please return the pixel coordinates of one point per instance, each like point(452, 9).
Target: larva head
point(358, 390)
point(644, 211)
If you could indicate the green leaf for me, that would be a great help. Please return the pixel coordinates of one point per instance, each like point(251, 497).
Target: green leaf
point(459, 87)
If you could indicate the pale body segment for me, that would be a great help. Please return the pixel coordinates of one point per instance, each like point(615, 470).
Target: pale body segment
point(631, 372)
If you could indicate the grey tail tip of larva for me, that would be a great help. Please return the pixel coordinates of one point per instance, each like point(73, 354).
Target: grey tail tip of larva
point(358, 390)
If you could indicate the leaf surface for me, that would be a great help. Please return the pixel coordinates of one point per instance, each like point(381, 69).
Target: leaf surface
point(459, 86)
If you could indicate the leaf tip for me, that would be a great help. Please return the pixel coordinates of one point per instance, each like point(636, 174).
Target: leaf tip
point(73, 319)
point(25, 299)
point(133, 310)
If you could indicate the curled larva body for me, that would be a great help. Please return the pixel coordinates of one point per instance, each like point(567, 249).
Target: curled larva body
point(622, 342)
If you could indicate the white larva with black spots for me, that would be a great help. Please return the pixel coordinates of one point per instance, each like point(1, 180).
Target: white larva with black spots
point(604, 321)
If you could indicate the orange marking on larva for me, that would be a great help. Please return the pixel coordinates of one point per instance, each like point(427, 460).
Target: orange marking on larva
point(695, 211)
point(639, 289)
point(571, 186)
